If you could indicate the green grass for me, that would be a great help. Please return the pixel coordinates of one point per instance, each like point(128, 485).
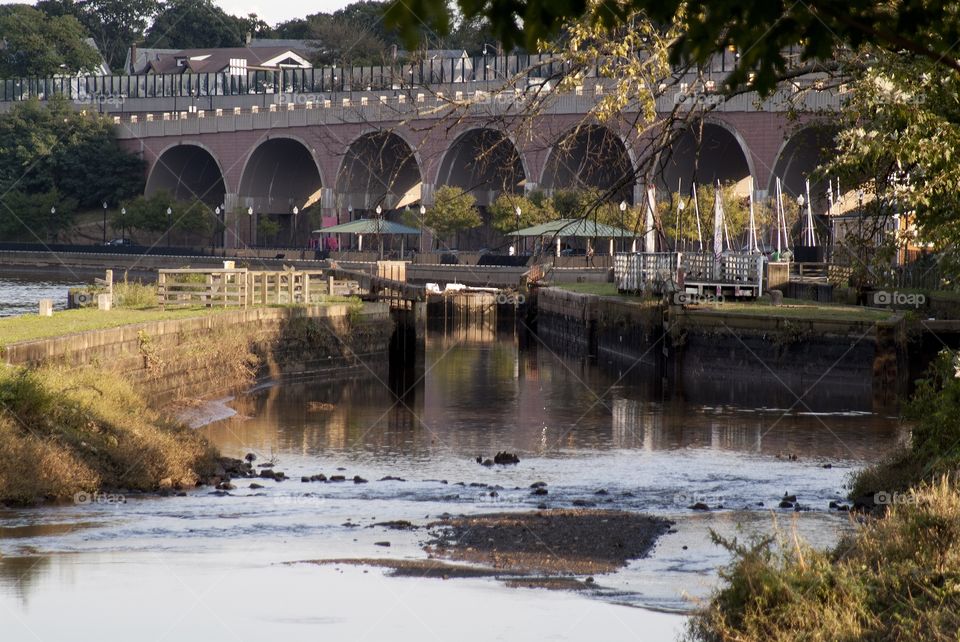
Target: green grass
point(791, 308)
point(33, 327)
point(601, 289)
point(799, 309)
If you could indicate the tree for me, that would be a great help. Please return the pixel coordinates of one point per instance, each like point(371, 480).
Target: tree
point(899, 142)
point(43, 147)
point(35, 218)
point(38, 45)
point(535, 208)
point(339, 41)
point(149, 214)
point(453, 210)
point(190, 24)
point(113, 24)
point(761, 30)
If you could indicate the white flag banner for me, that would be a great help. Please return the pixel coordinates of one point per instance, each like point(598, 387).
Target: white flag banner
point(650, 237)
point(717, 223)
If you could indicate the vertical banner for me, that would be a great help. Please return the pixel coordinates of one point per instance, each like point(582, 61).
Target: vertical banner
point(650, 233)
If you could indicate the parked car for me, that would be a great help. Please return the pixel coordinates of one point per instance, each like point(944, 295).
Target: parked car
point(119, 243)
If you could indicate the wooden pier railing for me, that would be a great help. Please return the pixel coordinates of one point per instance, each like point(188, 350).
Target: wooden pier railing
point(240, 287)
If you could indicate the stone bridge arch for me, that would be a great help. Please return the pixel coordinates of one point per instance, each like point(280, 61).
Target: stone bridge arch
point(484, 162)
point(591, 156)
point(379, 167)
point(188, 170)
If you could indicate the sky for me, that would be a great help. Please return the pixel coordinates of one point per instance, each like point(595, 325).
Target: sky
point(271, 11)
point(276, 11)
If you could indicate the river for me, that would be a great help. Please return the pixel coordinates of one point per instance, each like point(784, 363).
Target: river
point(20, 292)
point(205, 566)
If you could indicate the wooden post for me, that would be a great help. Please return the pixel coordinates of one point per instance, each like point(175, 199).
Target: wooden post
point(161, 290)
point(46, 307)
point(306, 288)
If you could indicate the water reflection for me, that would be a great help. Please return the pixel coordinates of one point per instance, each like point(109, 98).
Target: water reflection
point(481, 392)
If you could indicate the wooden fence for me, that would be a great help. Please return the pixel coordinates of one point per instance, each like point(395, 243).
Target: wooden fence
point(245, 288)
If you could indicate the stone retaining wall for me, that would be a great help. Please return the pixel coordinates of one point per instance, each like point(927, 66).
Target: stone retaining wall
point(187, 358)
point(712, 355)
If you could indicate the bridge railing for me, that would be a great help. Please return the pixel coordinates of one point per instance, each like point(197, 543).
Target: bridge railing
point(421, 72)
point(424, 72)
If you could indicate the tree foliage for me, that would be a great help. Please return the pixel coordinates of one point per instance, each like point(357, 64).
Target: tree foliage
point(113, 24)
point(453, 210)
point(188, 24)
point(149, 214)
point(761, 30)
point(35, 44)
point(37, 217)
point(52, 146)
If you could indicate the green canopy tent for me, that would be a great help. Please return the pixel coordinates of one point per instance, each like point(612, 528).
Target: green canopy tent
point(376, 226)
point(576, 228)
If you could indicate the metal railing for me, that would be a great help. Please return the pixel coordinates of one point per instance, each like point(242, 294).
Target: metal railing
point(401, 75)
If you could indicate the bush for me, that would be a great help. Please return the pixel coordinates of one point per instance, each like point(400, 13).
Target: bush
point(935, 440)
point(896, 578)
point(134, 295)
point(64, 432)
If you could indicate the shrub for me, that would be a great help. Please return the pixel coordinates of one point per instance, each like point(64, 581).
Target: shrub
point(896, 578)
point(64, 432)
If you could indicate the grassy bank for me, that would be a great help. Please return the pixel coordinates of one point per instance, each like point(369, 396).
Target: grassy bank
point(791, 308)
point(63, 433)
point(896, 578)
point(32, 327)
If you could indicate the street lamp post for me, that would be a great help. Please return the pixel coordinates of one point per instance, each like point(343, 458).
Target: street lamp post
point(293, 226)
point(104, 222)
point(379, 234)
point(250, 226)
point(123, 221)
point(423, 212)
point(623, 212)
point(518, 212)
point(800, 202)
point(169, 224)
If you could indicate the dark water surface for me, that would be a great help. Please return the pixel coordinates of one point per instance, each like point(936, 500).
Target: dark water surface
point(20, 292)
point(205, 566)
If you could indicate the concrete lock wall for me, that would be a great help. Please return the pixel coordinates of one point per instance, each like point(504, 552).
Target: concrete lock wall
point(712, 354)
point(183, 358)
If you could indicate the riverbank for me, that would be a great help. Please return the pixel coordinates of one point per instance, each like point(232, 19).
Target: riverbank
point(894, 578)
point(88, 411)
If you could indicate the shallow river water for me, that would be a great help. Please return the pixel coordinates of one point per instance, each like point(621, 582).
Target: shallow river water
point(204, 566)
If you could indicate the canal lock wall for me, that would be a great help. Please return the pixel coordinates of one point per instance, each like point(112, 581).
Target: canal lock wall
point(174, 360)
point(711, 356)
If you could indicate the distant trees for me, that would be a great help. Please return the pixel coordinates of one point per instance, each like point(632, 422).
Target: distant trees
point(187, 24)
point(453, 211)
point(113, 24)
point(35, 44)
point(149, 214)
point(53, 156)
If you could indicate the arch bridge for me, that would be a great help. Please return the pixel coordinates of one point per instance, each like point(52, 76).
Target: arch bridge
point(344, 156)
